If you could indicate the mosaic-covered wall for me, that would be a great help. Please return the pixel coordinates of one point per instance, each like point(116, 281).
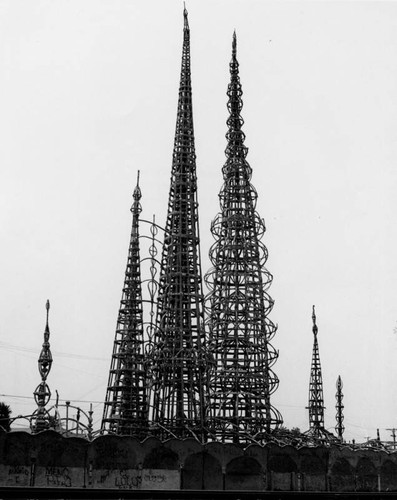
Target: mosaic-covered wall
point(49, 460)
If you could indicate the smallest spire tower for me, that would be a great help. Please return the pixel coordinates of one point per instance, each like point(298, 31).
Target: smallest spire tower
point(340, 428)
point(316, 398)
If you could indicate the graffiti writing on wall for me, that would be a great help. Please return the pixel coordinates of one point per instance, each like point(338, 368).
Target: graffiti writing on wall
point(135, 479)
point(154, 478)
point(122, 479)
point(18, 475)
point(127, 481)
point(58, 476)
point(159, 479)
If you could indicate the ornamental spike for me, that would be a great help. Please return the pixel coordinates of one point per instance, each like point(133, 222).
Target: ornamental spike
point(45, 358)
point(315, 329)
point(137, 195)
point(185, 18)
point(136, 208)
point(47, 328)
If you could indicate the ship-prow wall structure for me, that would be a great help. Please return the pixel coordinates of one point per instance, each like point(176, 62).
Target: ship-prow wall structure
point(49, 460)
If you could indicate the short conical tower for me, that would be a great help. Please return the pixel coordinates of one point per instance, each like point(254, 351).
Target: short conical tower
point(316, 398)
point(126, 409)
point(240, 330)
point(177, 358)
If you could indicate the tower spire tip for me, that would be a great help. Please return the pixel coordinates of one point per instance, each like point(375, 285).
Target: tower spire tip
point(137, 195)
point(234, 44)
point(315, 329)
point(185, 13)
point(47, 306)
point(137, 177)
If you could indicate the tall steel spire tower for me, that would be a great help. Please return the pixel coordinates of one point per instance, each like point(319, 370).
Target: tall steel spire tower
point(125, 409)
point(340, 428)
point(178, 355)
point(239, 305)
point(316, 398)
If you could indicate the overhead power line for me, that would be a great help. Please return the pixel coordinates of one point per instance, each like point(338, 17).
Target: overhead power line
point(12, 347)
point(60, 399)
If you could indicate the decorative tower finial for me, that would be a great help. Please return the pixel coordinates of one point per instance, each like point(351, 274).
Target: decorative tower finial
point(178, 364)
point(136, 208)
point(40, 419)
point(47, 306)
point(185, 17)
point(315, 329)
point(240, 328)
point(234, 45)
point(340, 428)
point(316, 398)
point(126, 410)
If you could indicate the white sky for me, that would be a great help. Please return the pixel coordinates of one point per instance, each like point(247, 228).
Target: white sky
point(88, 94)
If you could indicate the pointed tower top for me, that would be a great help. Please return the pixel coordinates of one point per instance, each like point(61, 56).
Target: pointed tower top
point(136, 208)
point(137, 184)
point(45, 354)
point(236, 151)
point(234, 65)
point(315, 329)
point(137, 195)
point(185, 19)
point(47, 328)
point(234, 45)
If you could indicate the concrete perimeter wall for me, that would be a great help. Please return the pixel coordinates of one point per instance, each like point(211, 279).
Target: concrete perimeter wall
point(49, 460)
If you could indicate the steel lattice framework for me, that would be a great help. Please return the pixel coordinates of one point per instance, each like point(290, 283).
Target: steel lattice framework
point(126, 409)
point(40, 419)
point(178, 364)
point(340, 428)
point(240, 330)
point(316, 398)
